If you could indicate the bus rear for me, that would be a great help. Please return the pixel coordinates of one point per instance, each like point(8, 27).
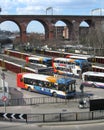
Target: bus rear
point(20, 82)
point(93, 79)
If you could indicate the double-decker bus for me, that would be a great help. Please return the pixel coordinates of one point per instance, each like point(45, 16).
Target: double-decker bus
point(40, 61)
point(45, 84)
point(69, 66)
point(93, 79)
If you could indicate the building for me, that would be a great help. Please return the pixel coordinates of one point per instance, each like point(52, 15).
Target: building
point(61, 32)
point(58, 32)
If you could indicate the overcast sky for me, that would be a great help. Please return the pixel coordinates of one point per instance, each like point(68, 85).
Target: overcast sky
point(39, 7)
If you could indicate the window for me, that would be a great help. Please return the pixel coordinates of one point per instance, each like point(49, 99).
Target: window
point(94, 78)
point(62, 87)
point(28, 81)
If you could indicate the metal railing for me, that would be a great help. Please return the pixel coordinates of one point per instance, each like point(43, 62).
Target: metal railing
point(39, 100)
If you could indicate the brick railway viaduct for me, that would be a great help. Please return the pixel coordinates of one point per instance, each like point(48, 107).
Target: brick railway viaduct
point(48, 21)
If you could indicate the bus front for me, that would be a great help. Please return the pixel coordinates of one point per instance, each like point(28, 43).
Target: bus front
point(67, 86)
point(47, 61)
point(83, 64)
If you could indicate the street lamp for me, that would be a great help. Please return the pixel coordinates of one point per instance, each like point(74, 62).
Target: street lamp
point(0, 9)
point(49, 8)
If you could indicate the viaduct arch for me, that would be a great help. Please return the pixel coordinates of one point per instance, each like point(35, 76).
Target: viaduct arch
point(48, 21)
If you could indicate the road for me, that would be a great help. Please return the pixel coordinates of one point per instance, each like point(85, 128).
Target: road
point(18, 61)
point(10, 77)
point(52, 108)
point(18, 126)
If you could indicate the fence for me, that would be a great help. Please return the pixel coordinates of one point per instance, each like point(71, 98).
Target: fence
point(39, 100)
point(62, 117)
point(49, 117)
point(56, 117)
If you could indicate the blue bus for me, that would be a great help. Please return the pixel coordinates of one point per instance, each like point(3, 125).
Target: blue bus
point(69, 66)
point(40, 61)
point(45, 84)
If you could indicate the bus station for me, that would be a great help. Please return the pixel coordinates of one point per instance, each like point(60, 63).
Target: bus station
point(31, 103)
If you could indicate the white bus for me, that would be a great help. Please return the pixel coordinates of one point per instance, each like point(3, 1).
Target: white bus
point(40, 61)
point(93, 79)
point(45, 84)
point(83, 57)
point(70, 66)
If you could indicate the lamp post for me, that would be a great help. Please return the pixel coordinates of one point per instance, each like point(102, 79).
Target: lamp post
point(49, 8)
point(0, 9)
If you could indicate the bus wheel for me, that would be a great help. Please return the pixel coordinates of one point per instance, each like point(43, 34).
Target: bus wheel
point(29, 89)
point(54, 94)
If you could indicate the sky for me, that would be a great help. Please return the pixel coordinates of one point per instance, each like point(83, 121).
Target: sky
point(40, 7)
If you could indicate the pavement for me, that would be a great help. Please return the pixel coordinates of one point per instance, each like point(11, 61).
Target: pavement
point(45, 108)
